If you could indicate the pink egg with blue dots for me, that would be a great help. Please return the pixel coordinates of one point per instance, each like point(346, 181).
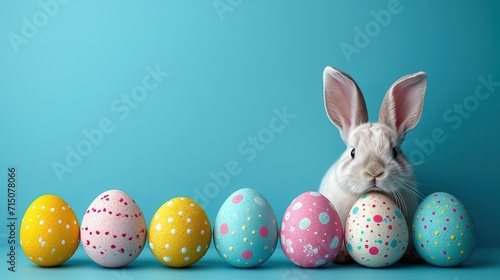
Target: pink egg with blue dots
point(245, 229)
point(376, 232)
point(443, 231)
point(311, 231)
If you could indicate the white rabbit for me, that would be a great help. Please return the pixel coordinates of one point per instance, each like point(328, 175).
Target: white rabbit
point(373, 160)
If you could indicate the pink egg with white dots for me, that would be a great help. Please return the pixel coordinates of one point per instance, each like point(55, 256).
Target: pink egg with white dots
point(113, 229)
point(376, 232)
point(311, 230)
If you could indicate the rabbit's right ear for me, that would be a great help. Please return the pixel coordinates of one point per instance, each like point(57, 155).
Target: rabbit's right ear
point(344, 101)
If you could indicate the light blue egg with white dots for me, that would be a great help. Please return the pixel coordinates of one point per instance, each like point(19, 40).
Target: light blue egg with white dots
point(443, 231)
point(245, 229)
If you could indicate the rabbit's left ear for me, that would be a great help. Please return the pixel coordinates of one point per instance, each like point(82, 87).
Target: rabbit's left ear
point(403, 103)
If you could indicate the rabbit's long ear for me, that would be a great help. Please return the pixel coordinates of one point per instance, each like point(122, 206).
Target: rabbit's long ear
point(403, 103)
point(344, 101)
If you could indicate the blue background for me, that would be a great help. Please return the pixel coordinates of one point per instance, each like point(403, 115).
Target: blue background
point(229, 72)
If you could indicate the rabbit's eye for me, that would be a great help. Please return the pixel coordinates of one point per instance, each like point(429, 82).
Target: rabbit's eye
point(353, 153)
point(394, 153)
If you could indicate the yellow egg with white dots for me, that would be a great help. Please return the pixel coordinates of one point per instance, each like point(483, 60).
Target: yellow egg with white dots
point(179, 233)
point(49, 233)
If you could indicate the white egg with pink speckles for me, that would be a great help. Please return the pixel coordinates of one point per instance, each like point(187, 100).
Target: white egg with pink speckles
point(113, 229)
point(376, 232)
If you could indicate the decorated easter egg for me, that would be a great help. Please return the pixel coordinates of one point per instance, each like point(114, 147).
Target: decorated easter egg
point(443, 231)
point(376, 232)
point(179, 233)
point(311, 230)
point(113, 229)
point(49, 233)
point(245, 230)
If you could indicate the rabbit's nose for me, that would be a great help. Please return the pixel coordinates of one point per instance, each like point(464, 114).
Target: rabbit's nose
point(374, 169)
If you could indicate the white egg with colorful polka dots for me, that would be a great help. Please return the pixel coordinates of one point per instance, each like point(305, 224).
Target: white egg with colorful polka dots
point(443, 231)
point(245, 229)
point(376, 232)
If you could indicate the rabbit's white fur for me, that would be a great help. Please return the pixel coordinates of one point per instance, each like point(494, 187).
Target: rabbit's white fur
point(378, 163)
point(346, 181)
